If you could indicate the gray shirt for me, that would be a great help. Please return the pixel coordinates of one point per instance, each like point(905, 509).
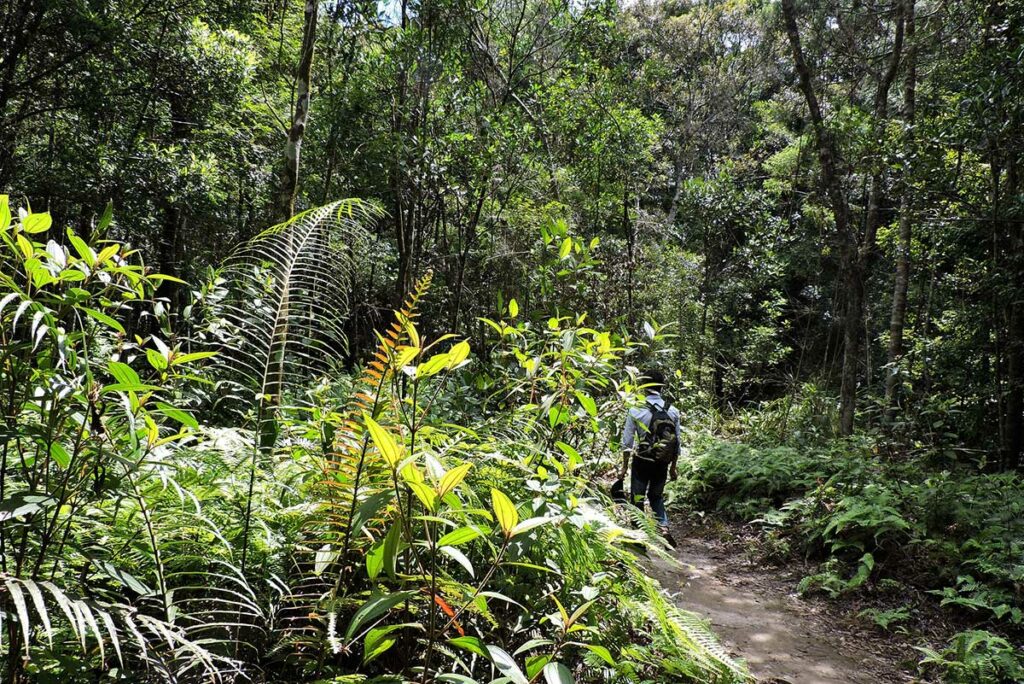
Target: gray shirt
point(642, 415)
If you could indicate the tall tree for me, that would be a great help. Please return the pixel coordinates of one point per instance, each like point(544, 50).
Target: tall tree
point(289, 179)
point(901, 280)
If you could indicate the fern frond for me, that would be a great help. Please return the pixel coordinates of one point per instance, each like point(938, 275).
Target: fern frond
point(282, 318)
point(118, 630)
point(693, 634)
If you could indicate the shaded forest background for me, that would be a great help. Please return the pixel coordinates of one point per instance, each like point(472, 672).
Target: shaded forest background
point(846, 221)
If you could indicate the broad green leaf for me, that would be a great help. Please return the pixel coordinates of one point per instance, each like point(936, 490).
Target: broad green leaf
point(557, 673)
point(23, 503)
point(104, 319)
point(161, 277)
point(156, 359)
point(5, 213)
point(385, 443)
point(471, 644)
point(107, 252)
point(60, 455)
point(175, 414)
point(378, 639)
point(84, 252)
point(557, 415)
point(459, 536)
point(432, 366)
point(25, 245)
point(532, 644)
point(506, 665)
point(574, 456)
point(426, 495)
point(123, 373)
point(602, 652)
point(504, 511)
point(122, 387)
point(189, 358)
point(529, 524)
point(587, 402)
point(458, 353)
point(513, 308)
point(376, 606)
point(37, 223)
point(375, 559)
point(536, 663)
point(105, 218)
point(453, 478)
point(404, 356)
point(566, 247)
point(392, 543)
point(410, 473)
point(579, 612)
point(460, 558)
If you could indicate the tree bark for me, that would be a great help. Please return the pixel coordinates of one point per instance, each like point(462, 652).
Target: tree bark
point(1013, 421)
point(289, 180)
point(850, 261)
point(901, 280)
point(855, 250)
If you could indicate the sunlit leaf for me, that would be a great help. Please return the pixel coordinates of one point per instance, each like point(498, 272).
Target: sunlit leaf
point(504, 511)
point(453, 478)
point(384, 442)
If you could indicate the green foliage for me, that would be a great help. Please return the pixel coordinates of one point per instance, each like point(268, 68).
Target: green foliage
point(886, 619)
point(384, 527)
point(976, 657)
point(872, 519)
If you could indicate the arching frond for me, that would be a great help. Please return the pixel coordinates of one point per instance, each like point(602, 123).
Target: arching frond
point(282, 318)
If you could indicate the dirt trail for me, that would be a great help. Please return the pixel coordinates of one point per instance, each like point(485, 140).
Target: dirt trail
point(781, 638)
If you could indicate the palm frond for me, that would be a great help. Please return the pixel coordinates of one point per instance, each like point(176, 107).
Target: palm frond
point(281, 319)
point(119, 631)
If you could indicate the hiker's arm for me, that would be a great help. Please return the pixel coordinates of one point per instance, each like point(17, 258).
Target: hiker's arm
point(673, 469)
point(628, 438)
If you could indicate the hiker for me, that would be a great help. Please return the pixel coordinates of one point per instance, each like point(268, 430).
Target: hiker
point(655, 450)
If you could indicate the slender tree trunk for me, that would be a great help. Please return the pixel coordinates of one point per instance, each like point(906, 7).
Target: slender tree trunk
point(850, 261)
point(289, 180)
point(1013, 422)
point(901, 281)
point(854, 251)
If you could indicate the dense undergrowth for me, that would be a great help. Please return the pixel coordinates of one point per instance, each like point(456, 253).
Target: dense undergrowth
point(203, 507)
point(888, 522)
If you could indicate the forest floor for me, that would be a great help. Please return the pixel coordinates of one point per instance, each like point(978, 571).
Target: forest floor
point(759, 617)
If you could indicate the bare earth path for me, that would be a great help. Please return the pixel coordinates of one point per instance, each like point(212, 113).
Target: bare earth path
point(782, 638)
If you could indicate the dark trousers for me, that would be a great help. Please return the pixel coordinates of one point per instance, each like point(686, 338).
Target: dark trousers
point(648, 481)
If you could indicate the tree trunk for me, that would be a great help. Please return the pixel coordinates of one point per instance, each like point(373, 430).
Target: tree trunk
point(850, 265)
point(1013, 421)
point(855, 251)
point(901, 281)
point(289, 181)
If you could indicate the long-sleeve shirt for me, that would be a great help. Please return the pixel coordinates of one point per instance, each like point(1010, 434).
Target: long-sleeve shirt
point(642, 415)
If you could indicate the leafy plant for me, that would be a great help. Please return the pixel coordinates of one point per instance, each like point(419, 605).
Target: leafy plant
point(975, 657)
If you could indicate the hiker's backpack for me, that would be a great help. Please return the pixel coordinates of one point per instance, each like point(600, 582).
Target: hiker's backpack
point(660, 444)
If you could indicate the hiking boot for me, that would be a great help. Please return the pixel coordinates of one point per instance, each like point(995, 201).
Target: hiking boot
point(667, 535)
